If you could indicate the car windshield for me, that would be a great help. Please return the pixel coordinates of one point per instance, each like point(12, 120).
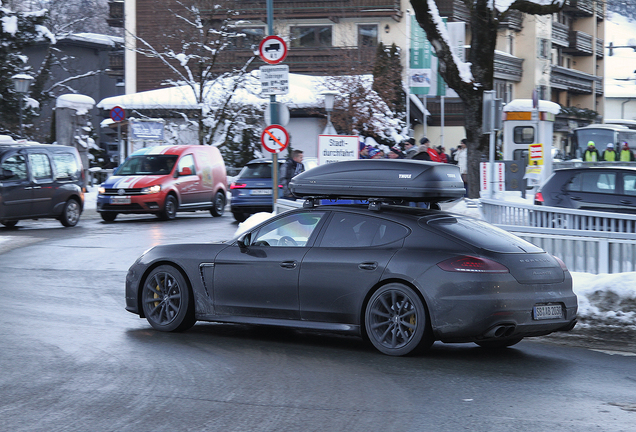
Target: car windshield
point(147, 165)
point(483, 235)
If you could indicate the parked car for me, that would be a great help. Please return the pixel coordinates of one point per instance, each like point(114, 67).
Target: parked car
point(40, 181)
point(164, 180)
point(252, 189)
point(611, 189)
point(400, 276)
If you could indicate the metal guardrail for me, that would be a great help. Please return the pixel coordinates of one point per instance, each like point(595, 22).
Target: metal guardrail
point(587, 241)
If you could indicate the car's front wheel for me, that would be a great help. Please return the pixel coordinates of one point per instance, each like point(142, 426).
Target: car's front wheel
point(169, 209)
point(218, 204)
point(71, 213)
point(396, 321)
point(108, 217)
point(166, 300)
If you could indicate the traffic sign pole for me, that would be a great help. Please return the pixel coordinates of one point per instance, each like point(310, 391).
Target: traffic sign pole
point(273, 110)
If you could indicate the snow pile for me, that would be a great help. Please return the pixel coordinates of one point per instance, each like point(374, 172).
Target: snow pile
point(80, 103)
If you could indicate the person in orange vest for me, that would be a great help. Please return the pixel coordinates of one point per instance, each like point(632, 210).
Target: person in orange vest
point(626, 155)
point(609, 155)
point(591, 154)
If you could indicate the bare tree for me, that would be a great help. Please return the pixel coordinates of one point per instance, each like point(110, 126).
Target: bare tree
point(472, 78)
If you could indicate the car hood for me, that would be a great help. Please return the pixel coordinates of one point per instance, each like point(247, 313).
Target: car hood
point(132, 182)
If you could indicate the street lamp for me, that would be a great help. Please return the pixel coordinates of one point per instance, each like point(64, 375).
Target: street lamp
point(21, 82)
point(330, 96)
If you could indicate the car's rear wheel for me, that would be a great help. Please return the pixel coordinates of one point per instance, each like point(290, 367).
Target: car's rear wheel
point(9, 224)
point(239, 216)
point(166, 300)
point(108, 217)
point(71, 213)
point(218, 204)
point(169, 209)
point(396, 321)
point(495, 344)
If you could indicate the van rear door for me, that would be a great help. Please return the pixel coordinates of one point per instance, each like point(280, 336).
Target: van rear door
point(15, 191)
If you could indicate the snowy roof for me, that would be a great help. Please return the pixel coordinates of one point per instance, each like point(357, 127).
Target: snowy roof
point(526, 105)
point(95, 38)
point(80, 103)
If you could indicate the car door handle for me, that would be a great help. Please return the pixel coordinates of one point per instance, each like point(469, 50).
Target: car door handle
point(368, 266)
point(289, 264)
point(626, 202)
point(576, 198)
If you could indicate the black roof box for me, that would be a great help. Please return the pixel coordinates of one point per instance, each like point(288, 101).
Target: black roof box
point(409, 180)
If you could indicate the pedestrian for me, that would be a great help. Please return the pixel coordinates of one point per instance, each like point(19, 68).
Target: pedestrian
point(591, 154)
point(443, 157)
point(426, 152)
point(364, 151)
point(609, 155)
point(291, 168)
point(395, 153)
point(461, 156)
point(410, 149)
point(626, 155)
point(451, 158)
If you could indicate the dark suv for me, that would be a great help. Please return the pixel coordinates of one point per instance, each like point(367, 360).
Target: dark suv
point(611, 188)
point(40, 181)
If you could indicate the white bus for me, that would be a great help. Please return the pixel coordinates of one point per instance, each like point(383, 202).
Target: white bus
point(601, 135)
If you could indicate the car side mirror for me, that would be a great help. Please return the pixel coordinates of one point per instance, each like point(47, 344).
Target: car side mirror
point(6, 174)
point(185, 171)
point(244, 240)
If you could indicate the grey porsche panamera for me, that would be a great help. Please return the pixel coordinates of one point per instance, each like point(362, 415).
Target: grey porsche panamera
point(401, 277)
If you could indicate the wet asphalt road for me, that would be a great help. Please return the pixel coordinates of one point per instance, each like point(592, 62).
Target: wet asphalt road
point(72, 359)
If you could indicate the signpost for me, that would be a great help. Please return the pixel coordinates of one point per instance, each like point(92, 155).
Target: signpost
point(273, 49)
point(118, 115)
point(275, 139)
point(274, 80)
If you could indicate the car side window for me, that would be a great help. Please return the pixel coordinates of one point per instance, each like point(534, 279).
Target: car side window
point(40, 166)
point(353, 230)
point(186, 161)
point(598, 182)
point(65, 165)
point(17, 165)
point(629, 184)
point(292, 230)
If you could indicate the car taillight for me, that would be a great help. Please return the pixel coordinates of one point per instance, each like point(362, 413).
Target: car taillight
point(538, 199)
point(280, 186)
point(561, 263)
point(472, 264)
point(237, 185)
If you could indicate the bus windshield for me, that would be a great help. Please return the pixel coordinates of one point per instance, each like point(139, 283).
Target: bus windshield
point(600, 138)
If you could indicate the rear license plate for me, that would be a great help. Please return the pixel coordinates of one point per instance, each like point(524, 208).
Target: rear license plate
point(120, 200)
point(542, 312)
point(261, 191)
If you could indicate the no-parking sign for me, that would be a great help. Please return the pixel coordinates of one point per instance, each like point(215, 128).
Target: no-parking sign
point(275, 138)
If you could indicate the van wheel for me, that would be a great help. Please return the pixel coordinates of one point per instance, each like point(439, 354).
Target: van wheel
point(108, 217)
point(218, 204)
point(9, 224)
point(71, 213)
point(170, 209)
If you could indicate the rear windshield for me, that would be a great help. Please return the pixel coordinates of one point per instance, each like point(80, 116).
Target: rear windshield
point(483, 235)
point(259, 170)
point(147, 165)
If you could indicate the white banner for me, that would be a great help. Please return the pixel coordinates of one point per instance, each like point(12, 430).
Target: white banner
point(337, 148)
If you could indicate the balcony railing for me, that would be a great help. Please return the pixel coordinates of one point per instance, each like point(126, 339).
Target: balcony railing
point(580, 7)
point(512, 21)
point(575, 81)
point(508, 67)
point(580, 43)
point(454, 10)
point(116, 63)
point(560, 34)
point(600, 48)
point(115, 13)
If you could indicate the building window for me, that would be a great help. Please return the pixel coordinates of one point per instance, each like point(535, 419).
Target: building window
point(311, 36)
point(503, 90)
point(251, 40)
point(367, 35)
point(544, 48)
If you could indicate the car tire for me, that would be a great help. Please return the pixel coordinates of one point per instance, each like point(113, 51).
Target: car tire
point(71, 213)
point(166, 300)
point(108, 217)
point(240, 217)
point(396, 321)
point(169, 209)
point(218, 204)
point(497, 344)
point(9, 224)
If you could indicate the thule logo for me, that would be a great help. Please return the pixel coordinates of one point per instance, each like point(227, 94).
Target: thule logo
point(404, 175)
point(451, 175)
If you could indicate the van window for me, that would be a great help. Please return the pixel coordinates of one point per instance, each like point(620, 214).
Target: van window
point(17, 164)
point(40, 166)
point(65, 165)
point(187, 161)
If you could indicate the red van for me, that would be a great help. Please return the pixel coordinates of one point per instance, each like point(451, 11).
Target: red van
point(166, 179)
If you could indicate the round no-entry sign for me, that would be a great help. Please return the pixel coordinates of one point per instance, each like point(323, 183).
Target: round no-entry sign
point(273, 49)
point(275, 138)
point(117, 114)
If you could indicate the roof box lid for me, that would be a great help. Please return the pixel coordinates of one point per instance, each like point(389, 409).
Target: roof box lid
point(409, 180)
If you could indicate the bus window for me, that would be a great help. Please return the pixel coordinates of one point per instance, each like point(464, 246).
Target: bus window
point(523, 135)
point(629, 136)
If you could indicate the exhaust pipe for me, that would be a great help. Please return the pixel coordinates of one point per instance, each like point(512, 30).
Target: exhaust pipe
point(504, 330)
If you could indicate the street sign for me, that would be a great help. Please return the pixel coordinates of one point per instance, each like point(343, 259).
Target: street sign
point(274, 80)
point(273, 49)
point(283, 113)
point(275, 138)
point(117, 114)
